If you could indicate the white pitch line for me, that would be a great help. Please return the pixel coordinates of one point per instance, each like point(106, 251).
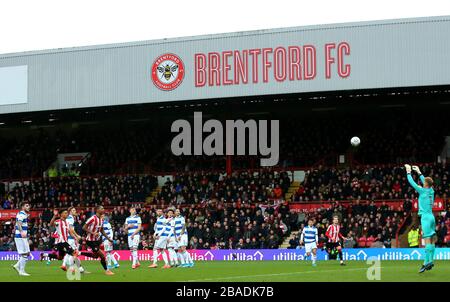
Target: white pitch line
point(280, 274)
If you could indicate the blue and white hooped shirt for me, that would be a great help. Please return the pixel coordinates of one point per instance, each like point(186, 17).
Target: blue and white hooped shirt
point(133, 223)
point(23, 218)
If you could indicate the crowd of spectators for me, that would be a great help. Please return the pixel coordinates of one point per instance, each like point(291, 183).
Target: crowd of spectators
point(375, 182)
point(240, 206)
point(26, 156)
point(218, 225)
point(112, 149)
point(211, 226)
point(239, 225)
point(62, 192)
point(363, 224)
point(378, 182)
point(317, 139)
point(402, 137)
point(246, 187)
point(443, 228)
point(314, 139)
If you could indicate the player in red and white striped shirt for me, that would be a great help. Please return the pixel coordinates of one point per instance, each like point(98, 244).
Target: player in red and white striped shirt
point(62, 231)
point(334, 239)
point(94, 230)
point(93, 226)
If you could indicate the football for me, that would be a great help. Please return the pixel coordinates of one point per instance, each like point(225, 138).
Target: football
point(355, 141)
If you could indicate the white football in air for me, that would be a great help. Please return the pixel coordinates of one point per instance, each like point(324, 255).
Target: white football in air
point(355, 141)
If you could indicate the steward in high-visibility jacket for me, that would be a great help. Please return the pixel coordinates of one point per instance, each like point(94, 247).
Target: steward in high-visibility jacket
point(413, 237)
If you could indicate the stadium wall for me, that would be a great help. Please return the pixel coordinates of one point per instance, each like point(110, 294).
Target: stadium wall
point(381, 54)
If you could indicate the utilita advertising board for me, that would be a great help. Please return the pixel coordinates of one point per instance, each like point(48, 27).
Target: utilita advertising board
point(272, 255)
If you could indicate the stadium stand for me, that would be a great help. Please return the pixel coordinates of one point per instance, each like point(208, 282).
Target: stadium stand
point(128, 154)
point(310, 141)
point(237, 210)
point(368, 182)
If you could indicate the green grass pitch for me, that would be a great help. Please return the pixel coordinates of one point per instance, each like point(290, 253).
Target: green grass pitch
point(238, 271)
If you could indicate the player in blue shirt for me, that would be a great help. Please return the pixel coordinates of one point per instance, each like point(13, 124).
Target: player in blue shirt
point(108, 245)
point(427, 220)
point(182, 240)
point(160, 242)
point(310, 238)
point(133, 225)
point(21, 238)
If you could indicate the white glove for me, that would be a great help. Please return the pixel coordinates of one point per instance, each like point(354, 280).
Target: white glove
point(416, 168)
point(408, 168)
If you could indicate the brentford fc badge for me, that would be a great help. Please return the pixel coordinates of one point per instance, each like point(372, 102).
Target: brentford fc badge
point(167, 71)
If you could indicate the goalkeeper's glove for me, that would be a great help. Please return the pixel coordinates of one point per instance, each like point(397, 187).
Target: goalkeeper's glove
point(408, 168)
point(416, 168)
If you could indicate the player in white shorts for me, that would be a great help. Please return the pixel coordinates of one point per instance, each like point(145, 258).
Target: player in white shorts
point(21, 238)
point(72, 242)
point(310, 237)
point(108, 245)
point(133, 226)
point(63, 231)
point(171, 238)
point(160, 243)
point(182, 240)
point(163, 230)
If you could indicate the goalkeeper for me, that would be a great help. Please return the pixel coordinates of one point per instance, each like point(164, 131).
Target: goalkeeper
point(427, 220)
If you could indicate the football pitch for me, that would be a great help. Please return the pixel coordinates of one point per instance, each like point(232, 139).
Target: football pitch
point(237, 271)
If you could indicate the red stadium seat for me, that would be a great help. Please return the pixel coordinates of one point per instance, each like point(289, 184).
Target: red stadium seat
point(362, 242)
point(447, 239)
point(370, 241)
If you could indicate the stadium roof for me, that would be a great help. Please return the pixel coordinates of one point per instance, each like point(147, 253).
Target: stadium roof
point(307, 59)
point(334, 26)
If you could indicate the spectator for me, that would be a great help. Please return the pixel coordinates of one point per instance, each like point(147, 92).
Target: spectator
point(413, 237)
point(349, 241)
point(294, 242)
point(272, 242)
point(378, 243)
point(240, 244)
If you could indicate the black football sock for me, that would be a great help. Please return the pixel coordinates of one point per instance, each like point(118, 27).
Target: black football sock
point(89, 254)
point(103, 262)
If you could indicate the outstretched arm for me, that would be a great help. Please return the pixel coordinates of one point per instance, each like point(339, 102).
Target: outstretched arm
point(55, 216)
point(413, 183)
point(52, 222)
point(421, 177)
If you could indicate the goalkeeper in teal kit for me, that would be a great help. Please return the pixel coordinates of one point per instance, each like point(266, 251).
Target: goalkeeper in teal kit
point(427, 220)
